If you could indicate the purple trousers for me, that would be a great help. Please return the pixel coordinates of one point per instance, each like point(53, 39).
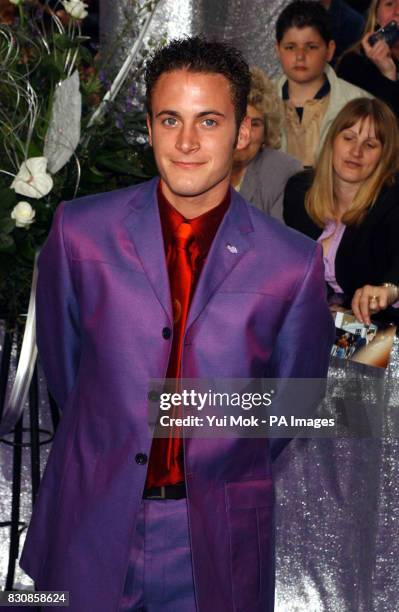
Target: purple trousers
point(160, 576)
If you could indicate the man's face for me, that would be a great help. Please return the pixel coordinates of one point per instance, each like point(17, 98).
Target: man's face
point(193, 133)
point(303, 54)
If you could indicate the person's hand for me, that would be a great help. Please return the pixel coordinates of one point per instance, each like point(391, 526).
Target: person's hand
point(371, 299)
point(380, 55)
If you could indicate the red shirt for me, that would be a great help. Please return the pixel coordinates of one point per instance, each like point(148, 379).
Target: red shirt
point(204, 228)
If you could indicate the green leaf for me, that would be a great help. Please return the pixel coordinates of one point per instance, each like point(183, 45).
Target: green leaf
point(27, 251)
point(7, 244)
point(91, 178)
point(34, 150)
point(97, 172)
point(121, 166)
point(51, 68)
point(62, 41)
point(86, 55)
point(8, 198)
point(7, 225)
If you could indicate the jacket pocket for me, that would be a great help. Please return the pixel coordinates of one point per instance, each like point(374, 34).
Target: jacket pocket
point(249, 507)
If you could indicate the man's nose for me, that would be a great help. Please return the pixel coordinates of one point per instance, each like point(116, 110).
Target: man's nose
point(300, 53)
point(187, 139)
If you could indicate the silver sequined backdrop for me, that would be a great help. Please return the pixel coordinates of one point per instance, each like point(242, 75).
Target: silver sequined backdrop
point(337, 500)
point(248, 24)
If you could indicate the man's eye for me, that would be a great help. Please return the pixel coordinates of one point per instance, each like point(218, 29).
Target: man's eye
point(209, 122)
point(169, 121)
point(289, 47)
point(313, 47)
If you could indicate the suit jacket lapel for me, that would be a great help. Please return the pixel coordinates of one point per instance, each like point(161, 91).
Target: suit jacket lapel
point(229, 246)
point(144, 226)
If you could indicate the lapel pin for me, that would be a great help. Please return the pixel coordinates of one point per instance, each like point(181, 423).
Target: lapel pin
point(232, 248)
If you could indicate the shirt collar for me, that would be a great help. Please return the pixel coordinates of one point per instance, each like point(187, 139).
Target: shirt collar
point(323, 91)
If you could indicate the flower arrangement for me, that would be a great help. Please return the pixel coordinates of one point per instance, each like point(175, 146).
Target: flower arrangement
point(50, 149)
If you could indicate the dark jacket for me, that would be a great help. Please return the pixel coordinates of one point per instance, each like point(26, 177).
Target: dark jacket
point(359, 70)
point(368, 253)
point(346, 27)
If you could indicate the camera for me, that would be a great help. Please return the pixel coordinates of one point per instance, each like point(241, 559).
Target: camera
point(389, 33)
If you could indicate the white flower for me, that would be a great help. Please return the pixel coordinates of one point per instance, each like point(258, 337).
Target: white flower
point(32, 179)
point(16, 1)
point(76, 8)
point(23, 214)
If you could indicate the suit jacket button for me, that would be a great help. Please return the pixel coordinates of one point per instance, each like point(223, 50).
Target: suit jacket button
point(141, 459)
point(166, 333)
point(153, 396)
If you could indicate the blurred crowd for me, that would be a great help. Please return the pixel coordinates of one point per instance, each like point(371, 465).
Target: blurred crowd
point(324, 150)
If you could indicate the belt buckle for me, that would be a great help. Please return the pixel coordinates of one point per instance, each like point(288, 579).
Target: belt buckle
point(161, 496)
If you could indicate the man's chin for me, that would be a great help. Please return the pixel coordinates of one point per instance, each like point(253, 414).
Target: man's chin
point(182, 190)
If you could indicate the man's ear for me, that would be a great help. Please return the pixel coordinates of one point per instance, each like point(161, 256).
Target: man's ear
point(330, 50)
point(149, 128)
point(277, 49)
point(244, 134)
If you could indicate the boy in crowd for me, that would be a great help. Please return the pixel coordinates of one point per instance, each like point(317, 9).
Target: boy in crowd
point(311, 91)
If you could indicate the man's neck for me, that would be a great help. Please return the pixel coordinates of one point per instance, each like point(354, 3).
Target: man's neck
point(191, 207)
point(299, 93)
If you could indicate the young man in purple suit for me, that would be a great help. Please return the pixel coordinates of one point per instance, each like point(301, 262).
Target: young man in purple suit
point(176, 277)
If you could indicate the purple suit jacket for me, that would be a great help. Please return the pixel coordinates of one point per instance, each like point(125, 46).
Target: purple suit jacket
point(103, 300)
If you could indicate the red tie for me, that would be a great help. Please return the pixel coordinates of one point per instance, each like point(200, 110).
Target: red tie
point(180, 287)
point(166, 465)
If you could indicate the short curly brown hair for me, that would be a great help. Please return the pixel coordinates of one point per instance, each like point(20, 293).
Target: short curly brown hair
point(197, 54)
point(263, 96)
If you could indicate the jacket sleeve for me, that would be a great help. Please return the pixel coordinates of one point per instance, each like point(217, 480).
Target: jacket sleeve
point(303, 345)
point(294, 212)
point(359, 70)
point(57, 325)
point(391, 223)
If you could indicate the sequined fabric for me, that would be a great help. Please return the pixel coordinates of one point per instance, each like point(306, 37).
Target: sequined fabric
point(249, 26)
point(337, 508)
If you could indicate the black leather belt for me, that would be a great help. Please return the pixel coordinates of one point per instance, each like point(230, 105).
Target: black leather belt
point(176, 491)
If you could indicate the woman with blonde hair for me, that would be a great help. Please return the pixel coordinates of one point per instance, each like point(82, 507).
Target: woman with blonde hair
point(350, 205)
point(374, 68)
point(260, 171)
